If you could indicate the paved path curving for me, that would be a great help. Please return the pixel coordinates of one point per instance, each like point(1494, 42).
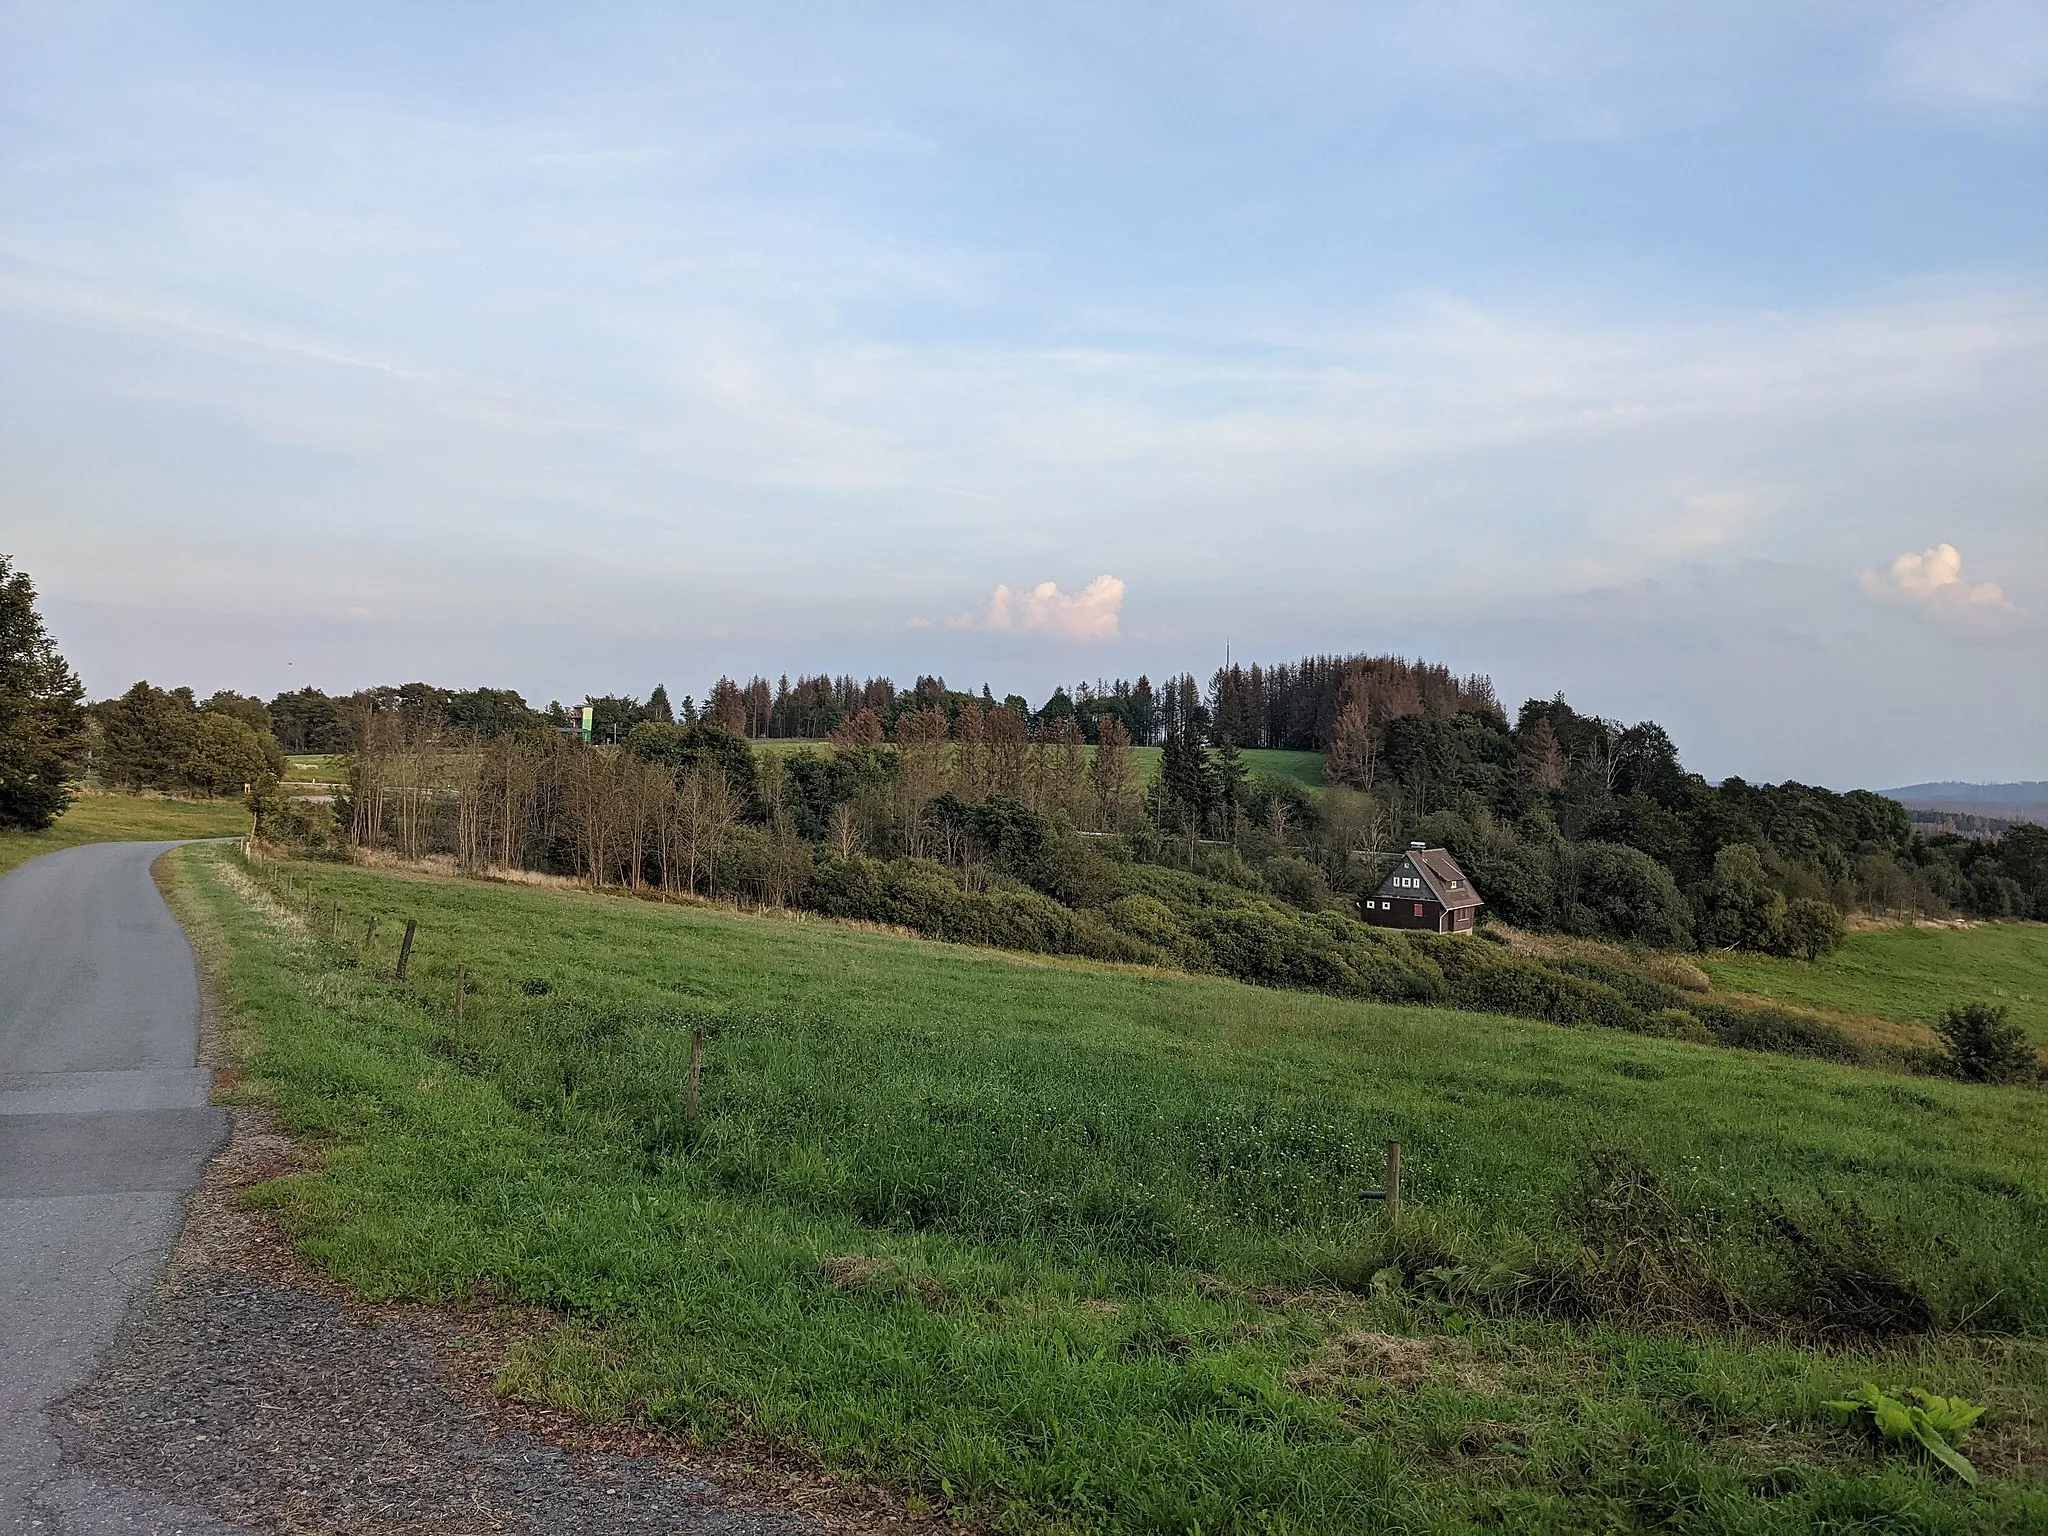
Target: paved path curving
point(104, 1125)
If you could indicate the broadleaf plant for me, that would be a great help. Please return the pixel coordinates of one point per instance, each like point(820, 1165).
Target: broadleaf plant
point(1939, 1424)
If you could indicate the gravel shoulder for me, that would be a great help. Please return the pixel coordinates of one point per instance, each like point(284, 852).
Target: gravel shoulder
point(247, 1387)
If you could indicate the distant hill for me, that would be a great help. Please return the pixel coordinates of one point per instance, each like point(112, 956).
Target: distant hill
point(1974, 803)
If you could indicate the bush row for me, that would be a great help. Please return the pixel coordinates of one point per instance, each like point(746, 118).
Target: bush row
point(1166, 917)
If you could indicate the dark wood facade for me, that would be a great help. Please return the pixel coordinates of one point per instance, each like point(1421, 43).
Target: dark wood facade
point(1426, 892)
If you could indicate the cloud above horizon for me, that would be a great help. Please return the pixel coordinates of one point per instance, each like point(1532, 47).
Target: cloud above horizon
point(1091, 614)
point(602, 347)
point(1933, 580)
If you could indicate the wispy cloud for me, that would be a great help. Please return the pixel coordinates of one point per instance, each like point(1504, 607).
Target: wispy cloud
point(1976, 55)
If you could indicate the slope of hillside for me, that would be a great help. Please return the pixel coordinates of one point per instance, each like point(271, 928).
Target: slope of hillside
point(1067, 1246)
point(1908, 973)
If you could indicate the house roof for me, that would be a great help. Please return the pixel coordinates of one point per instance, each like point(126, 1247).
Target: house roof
point(1446, 881)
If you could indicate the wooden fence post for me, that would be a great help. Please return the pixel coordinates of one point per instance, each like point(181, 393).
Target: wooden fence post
point(1394, 1182)
point(459, 978)
point(696, 1077)
point(369, 935)
point(405, 946)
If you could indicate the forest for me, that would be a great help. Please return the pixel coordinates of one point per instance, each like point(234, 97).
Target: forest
point(1568, 822)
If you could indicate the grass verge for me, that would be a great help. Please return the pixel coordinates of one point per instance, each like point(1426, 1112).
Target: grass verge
point(1076, 1247)
point(125, 819)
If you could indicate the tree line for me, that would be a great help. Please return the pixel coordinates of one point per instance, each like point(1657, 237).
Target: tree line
point(693, 809)
point(1566, 821)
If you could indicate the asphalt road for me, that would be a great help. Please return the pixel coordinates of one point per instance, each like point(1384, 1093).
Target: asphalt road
point(104, 1124)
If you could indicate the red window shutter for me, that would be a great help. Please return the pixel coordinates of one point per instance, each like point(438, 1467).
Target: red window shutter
point(1418, 909)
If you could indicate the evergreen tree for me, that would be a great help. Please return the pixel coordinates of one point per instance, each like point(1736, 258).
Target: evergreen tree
point(1186, 779)
point(1231, 774)
point(1141, 715)
point(308, 721)
point(149, 734)
point(40, 710)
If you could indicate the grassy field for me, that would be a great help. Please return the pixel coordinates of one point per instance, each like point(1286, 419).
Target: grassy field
point(1071, 1247)
point(314, 768)
point(1303, 767)
point(1908, 973)
point(125, 819)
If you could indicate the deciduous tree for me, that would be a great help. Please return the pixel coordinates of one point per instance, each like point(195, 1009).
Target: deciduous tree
point(1114, 775)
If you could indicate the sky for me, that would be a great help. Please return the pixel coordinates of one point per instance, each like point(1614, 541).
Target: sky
point(1691, 361)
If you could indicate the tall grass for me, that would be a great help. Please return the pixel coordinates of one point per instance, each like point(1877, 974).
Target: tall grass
point(1078, 1247)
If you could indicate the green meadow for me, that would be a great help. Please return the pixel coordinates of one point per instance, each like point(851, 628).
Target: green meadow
point(1908, 973)
point(98, 818)
point(1304, 768)
point(1070, 1247)
point(315, 768)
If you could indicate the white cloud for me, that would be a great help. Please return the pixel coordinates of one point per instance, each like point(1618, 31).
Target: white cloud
point(1933, 579)
point(1089, 614)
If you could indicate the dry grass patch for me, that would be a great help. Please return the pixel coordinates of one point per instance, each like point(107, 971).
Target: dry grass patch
point(1345, 1361)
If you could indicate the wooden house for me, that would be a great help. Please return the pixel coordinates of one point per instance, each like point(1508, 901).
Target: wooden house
point(1426, 890)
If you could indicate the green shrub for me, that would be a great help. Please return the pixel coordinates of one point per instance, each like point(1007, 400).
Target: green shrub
point(1178, 918)
point(1273, 948)
point(1629, 895)
point(1981, 1045)
point(1814, 928)
point(1678, 1024)
point(307, 827)
point(927, 897)
point(1535, 993)
point(1297, 882)
point(1145, 918)
point(1773, 1029)
point(1072, 871)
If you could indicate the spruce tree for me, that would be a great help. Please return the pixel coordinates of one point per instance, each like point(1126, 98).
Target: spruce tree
point(41, 710)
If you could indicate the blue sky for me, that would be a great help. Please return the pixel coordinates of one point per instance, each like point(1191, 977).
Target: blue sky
point(1692, 361)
